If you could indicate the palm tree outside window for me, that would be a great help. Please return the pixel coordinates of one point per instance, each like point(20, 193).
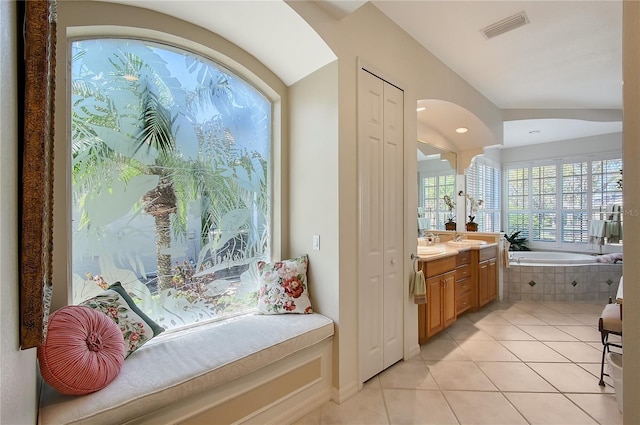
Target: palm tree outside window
point(170, 180)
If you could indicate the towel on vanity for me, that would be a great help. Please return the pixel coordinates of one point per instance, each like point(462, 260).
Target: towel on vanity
point(597, 231)
point(418, 287)
point(505, 254)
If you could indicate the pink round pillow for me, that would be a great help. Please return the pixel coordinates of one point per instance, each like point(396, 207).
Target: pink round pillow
point(84, 351)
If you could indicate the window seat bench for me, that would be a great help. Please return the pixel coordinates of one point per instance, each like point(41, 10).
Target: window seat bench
point(253, 369)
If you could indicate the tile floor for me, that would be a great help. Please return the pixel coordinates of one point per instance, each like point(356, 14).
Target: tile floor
point(510, 363)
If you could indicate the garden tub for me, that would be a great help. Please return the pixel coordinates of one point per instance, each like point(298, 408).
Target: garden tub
point(551, 258)
point(559, 277)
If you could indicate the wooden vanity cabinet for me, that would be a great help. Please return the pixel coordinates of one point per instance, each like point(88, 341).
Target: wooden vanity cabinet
point(464, 283)
point(486, 275)
point(455, 284)
point(440, 310)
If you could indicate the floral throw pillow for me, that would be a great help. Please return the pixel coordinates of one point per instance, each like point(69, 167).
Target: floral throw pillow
point(137, 328)
point(283, 287)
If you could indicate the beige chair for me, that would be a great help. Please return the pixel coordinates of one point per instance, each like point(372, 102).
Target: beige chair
point(610, 322)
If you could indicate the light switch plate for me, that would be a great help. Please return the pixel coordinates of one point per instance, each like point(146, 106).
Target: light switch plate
point(316, 242)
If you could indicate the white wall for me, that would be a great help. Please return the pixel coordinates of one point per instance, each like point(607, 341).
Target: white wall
point(493, 154)
point(368, 35)
point(18, 379)
point(313, 186)
point(564, 148)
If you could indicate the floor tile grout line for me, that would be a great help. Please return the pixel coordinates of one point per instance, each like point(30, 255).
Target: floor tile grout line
point(558, 391)
point(578, 406)
point(457, 344)
point(384, 402)
point(524, 361)
point(455, 415)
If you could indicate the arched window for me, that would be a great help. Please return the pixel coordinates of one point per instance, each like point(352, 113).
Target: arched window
point(170, 179)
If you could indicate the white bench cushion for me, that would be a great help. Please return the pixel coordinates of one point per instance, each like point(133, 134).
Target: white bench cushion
point(177, 365)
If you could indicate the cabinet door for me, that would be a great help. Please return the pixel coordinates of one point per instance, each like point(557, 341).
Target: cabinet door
point(434, 305)
point(422, 323)
point(448, 298)
point(487, 281)
point(483, 283)
point(492, 281)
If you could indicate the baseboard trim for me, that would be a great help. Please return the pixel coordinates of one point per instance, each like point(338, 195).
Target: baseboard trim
point(340, 395)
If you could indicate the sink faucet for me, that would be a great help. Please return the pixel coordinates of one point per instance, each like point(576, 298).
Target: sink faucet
point(458, 237)
point(430, 238)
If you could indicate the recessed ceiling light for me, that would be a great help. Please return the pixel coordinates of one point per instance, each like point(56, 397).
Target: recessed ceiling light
point(420, 109)
point(462, 130)
point(534, 132)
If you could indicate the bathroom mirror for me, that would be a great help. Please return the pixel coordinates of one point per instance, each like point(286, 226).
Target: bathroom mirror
point(428, 152)
point(436, 178)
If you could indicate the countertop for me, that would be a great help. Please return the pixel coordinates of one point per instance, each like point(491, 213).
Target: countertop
point(448, 250)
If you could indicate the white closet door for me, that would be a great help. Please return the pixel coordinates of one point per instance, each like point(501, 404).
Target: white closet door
point(380, 174)
point(393, 212)
point(370, 249)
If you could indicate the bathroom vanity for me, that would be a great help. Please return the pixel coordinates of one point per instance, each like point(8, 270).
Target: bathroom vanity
point(460, 277)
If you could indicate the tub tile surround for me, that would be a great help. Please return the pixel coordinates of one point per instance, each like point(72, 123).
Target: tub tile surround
point(511, 370)
point(593, 283)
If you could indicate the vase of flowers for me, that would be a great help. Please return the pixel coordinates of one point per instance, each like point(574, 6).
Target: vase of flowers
point(450, 224)
point(474, 204)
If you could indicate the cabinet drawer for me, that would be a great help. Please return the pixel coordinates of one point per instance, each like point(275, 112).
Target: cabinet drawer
point(463, 257)
point(463, 302)
point(463, 286)
point(463, 272)
point(440, 266)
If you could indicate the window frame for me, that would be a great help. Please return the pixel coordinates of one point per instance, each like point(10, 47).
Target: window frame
point(216, 49)
point(560, 212)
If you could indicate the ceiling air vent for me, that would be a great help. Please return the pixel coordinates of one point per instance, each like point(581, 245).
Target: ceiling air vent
point(505, 25)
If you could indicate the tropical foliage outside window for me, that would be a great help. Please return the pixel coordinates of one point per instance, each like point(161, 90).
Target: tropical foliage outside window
point(553, 202)
point(170, 156)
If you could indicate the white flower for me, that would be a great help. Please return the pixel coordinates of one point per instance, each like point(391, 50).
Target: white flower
point(473, 206)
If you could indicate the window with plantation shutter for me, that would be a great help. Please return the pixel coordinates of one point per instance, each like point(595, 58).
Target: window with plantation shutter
point(553, 202)
point(575, 194)
point(606, 186)
point(518, 200)
point(433, 188)
point(544, 201)
point(483, 182)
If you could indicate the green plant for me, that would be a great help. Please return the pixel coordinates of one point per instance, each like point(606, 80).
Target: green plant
point(517, 242)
